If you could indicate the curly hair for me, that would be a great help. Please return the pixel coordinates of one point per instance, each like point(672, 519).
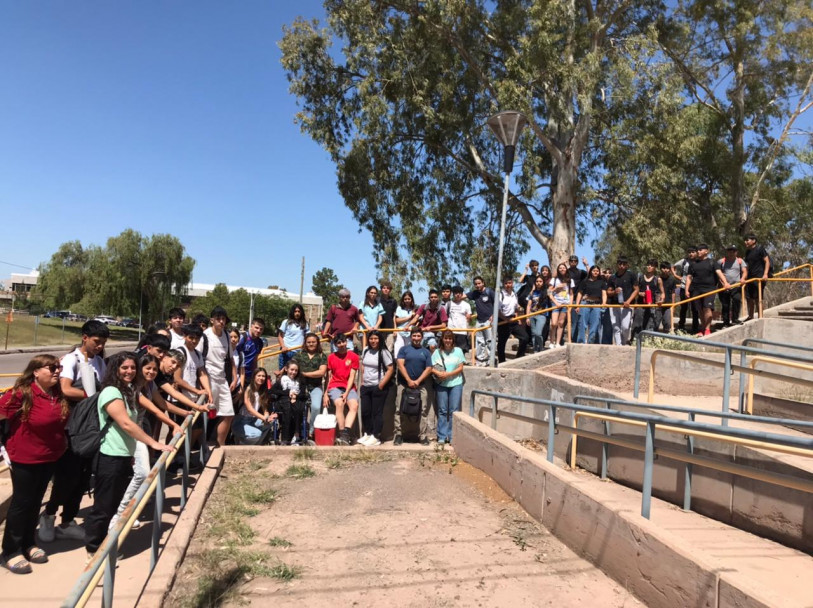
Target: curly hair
point(22, 386)
point(111, 377)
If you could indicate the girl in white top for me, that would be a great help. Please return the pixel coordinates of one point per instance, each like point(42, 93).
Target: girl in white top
point(560, 293)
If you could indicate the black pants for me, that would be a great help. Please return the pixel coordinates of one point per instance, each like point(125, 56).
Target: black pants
point(515, 329)
point(71, 480)
point(28, 482)
point(113, 474)
point(731, 301)
point(290, 418)
point(682, 317)
point(372, 409)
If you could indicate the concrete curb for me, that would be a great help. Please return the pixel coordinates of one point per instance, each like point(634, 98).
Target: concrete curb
point(162, 578)
point(650, 561)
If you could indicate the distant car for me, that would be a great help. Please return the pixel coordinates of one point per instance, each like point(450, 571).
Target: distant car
point(127, 322)
point(106, 320)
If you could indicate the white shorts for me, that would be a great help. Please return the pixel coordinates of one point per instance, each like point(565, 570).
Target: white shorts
point(221, 397)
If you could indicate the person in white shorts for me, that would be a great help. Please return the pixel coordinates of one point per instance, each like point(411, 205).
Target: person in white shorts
point(217, 356)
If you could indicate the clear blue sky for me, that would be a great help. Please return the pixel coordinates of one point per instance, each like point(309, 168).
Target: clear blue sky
point(118, 115)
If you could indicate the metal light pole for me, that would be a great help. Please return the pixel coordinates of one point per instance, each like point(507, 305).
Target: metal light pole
point(507, 127)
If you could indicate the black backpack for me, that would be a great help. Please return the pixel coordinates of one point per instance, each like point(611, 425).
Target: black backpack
point(84, 433)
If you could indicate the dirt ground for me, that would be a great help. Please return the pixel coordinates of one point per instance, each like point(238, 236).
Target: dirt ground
point(363, 528)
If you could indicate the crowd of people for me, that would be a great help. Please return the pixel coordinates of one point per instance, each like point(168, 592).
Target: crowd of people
point(385, 350)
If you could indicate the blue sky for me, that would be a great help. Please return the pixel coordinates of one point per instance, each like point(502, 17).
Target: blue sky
point(133, 115)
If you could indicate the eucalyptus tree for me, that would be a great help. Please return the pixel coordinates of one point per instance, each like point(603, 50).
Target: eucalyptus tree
point(398, 93)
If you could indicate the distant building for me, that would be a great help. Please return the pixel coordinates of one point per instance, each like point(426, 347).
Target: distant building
point(23, 283)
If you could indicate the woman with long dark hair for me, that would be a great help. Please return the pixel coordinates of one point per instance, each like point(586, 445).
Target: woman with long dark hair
point(593, 290)
point(312, 363)
point(537, 301)
point(404, 315)
point(37, 413)
point(118, 416)
point(376, 373)
point(560, 293)
point(254, 421)
point(291, 334)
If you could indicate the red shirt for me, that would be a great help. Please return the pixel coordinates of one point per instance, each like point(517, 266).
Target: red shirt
point(39, 439)
point(342, 320)
point(340, 367)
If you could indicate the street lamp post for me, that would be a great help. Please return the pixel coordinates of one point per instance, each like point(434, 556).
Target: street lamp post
point(507, 127)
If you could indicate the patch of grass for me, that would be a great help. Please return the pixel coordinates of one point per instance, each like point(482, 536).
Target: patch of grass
point(284, 572)
point(279, 542)
point(667, 343)
point(299, 471)
point(336, 461)
point(440, 456)
point(260, 496)
point(241, 497)
point(305, 454)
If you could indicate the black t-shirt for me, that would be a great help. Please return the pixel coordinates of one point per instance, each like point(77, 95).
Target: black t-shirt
point(389, 305)
point(703, 274)
point(483, 303)
point(653, 286)
point(626, 282)
point(669, 285)
point(755, 260)
point(591, 290)
point(577, 275)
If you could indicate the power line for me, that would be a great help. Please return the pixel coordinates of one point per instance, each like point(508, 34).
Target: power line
point(17, 265)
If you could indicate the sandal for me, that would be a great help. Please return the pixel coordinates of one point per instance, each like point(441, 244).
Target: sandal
point(17, 564)
point(36, 555)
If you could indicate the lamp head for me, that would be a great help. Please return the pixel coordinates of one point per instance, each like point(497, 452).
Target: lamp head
point(507, 127)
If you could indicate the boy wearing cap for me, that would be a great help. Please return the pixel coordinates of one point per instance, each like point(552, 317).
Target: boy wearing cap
point(732, 270)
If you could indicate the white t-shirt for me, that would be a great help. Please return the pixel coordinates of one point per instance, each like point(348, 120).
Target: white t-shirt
point(459, 313)
point(70, 366)
point(508, 303)
point(190, 371)
point(219, 349)
point(176, 340)
point(369, 363)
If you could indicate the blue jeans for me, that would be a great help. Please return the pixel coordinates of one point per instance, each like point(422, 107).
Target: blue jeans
point(576, 333)
point(590, 320)
point(316, 406)
point(449, 400)
point(286, 356)
point(538, 324)
point(248, 430)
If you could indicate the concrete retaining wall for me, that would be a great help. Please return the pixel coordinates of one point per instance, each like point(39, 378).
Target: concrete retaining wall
point(782, 514)
point(634, 551)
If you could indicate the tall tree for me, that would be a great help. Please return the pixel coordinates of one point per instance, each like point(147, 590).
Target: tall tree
point(131, 273)
point(325, 283)
point(401, 113)
point(750, 63)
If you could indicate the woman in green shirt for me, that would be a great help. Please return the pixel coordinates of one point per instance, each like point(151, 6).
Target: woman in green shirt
point(118, 420)
point(447, 362)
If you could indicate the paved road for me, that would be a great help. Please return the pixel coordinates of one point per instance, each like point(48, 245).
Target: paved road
point(15, 362)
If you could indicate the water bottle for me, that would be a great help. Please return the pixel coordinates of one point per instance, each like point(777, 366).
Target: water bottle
point(648, 295)
point(620, 293)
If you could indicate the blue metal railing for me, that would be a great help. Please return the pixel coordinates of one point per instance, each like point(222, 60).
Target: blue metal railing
point(650, 421)
point(104, 561)
point(729, 348)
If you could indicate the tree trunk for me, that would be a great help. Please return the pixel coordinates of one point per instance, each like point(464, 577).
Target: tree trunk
point(562, 243)
point(738, 198)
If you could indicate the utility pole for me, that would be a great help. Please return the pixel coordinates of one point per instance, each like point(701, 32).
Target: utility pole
point(302, 281)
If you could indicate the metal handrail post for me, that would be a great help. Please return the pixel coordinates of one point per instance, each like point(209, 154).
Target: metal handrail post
point(157, 521)
point(726, 385)
point(649, 460)
point(551, 431)
point(741, 399)
point(109, 579)
point(204, 446)
point(187, 453)
point(605, 449)
point(687, 472)
point(494, 414)
point(471, 404)
point(638, 351)
point(759, 292)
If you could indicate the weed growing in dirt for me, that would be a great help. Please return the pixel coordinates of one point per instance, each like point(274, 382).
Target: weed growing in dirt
point(279, 542)
point(240, 499)
point(336, 461)
point(305, 454)
point(284, 572)
point(299, 471)
point(668, 343)
point(440, 456)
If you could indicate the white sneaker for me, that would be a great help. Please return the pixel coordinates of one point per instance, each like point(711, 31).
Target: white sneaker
point(294, 440)
point(363, 439)
point(46, 531)
point(72, 531)
point(373, 441)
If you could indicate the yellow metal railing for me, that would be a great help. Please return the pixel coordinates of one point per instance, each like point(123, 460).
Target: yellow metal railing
point(792, 364)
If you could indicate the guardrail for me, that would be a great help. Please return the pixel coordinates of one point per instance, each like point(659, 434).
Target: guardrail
point(104, 561)
point(727, 366)
point(747, 341)
point(799, 446)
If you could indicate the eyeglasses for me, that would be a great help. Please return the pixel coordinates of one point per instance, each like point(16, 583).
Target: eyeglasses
point(53, 367)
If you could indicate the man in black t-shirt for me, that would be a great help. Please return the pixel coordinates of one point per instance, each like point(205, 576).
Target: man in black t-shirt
point(669, 297)
point(577, 275)
point(622, 288)
point(648, 318)
point(759, 266)
point(701, 280)
point(388, 318)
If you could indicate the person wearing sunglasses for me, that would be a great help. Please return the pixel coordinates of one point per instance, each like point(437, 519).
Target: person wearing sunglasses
point(37, 413)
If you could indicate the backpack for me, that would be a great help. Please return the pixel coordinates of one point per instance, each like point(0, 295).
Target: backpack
point(411, 402)
point(228, 363)
point(84, 433)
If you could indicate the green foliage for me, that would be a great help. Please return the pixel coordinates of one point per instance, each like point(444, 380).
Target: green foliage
point(130, 270)
point(325, 283)
point(401, 108)
point(300, 471)
point(273, 309)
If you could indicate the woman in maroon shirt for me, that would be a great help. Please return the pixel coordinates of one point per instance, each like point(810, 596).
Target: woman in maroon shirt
point(37, 414)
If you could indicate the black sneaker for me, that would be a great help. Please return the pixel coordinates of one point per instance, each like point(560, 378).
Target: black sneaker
point(344, 438)
point(425, 441)
point(398, 440)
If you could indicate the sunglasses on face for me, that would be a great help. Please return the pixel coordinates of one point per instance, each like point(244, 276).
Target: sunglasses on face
point(53, 367)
